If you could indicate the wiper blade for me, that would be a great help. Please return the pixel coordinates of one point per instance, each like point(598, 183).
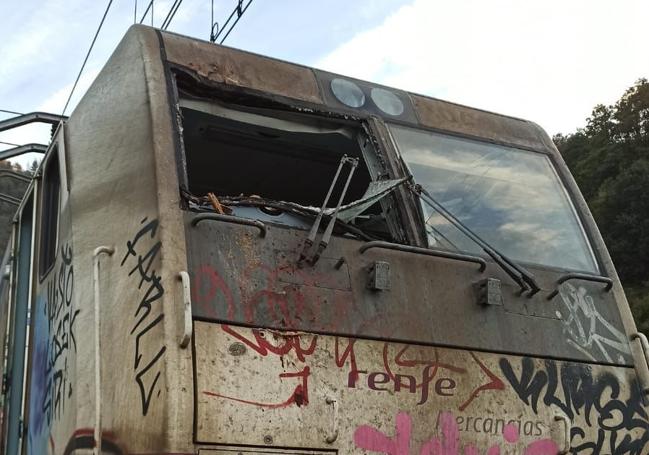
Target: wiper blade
point(324, 241)
point(522, 277)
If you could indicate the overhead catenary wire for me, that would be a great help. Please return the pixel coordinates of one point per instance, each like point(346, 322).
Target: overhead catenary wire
point(146, 11)
point(238, 10)
point(7, 111)
point(171, 14)
point(10, 143)
point(85, 60)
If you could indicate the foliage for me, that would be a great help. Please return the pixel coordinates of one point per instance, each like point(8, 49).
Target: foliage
point(609, 158)
point(11, 187)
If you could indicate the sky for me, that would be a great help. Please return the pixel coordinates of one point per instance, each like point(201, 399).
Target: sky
point(548, 61)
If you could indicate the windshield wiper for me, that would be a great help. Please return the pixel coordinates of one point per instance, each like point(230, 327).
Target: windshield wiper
point(324, 241)
point(521, 276)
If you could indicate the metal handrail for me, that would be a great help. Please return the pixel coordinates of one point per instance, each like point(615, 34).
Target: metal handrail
point(109, 250)
point(187, 309)
point(10, 199)
point(22, 149)
point(584, 277)
point(644, 348)
point(424, 251)
point(32, 117)
point(230, 219)
point(15, 175)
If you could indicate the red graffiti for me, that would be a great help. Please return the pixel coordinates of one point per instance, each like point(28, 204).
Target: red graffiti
point(369, 438)
point(494, 384)
point(341, 359)
point(284, 304)
point(263, 346)
point(206, 277)
point(431, 368)
point(299, 397)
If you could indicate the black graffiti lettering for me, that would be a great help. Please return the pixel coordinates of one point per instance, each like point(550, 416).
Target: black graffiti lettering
point(146, 393)
point(74, 318)
point(138, 356)
point(573, 389)
point(144, 264)
point(61, 314)
point(154, 293)
point(151, 227)
point(144, 269)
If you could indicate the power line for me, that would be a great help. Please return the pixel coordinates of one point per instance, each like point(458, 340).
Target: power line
point(146, 11)
point(110, 2)
point(171, 14)
point(238, 10)
point(11, 112)
point(10, 143)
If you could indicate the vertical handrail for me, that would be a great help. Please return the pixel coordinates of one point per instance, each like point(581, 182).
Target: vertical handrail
point(109, 250)
point(331, 437)
point(187, 309)
point(566, 424)
point(644, 348)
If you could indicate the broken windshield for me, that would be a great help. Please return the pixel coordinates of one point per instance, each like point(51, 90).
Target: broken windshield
point(511, 198)
point(277, 167)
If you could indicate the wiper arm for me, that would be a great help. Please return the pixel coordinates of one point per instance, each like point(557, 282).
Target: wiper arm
point(521, 276)
point(324, 241)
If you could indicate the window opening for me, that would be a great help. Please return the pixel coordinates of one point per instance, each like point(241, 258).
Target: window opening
point(278, 167)
point(49, 213)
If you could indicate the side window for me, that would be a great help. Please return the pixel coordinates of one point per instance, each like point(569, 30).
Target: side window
point(50, 197)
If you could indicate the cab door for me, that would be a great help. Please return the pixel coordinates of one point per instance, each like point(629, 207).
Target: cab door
point(18, 332)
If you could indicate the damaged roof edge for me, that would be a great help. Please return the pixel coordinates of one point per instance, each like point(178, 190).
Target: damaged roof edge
point(238, 68)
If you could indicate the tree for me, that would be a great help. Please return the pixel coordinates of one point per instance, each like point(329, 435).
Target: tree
point(609, 158)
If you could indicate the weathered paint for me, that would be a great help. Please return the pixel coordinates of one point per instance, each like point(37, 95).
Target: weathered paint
point(400, 399)
point(371, 375)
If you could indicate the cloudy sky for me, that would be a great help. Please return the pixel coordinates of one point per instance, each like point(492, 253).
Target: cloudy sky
point(548, 61)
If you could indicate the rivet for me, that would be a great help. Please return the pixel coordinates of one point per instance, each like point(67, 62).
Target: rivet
point(268, 439)
point(237, 349)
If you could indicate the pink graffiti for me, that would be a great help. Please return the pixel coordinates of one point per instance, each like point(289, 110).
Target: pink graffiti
point(369, 438)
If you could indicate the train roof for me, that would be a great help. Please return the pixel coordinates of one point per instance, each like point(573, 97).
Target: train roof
point(312, 89)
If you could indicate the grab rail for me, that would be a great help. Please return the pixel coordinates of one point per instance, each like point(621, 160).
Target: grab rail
point(187, 309)
point(565, 423)
point(109, 250)
point(331, 437)
point(423, 251)
point(230, 219)
point(584, 277)
point(644, 347)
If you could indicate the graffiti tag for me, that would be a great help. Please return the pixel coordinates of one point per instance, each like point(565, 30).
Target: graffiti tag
point(572, 389)
point(142, 250)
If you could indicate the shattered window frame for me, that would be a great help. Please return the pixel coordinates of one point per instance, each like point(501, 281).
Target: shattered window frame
point(367, 148)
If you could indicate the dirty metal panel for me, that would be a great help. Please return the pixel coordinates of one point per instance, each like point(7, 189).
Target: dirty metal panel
point(326, 273)
point(242, 69)
point(241, 278)
point(297, 390)
point(447, 116)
